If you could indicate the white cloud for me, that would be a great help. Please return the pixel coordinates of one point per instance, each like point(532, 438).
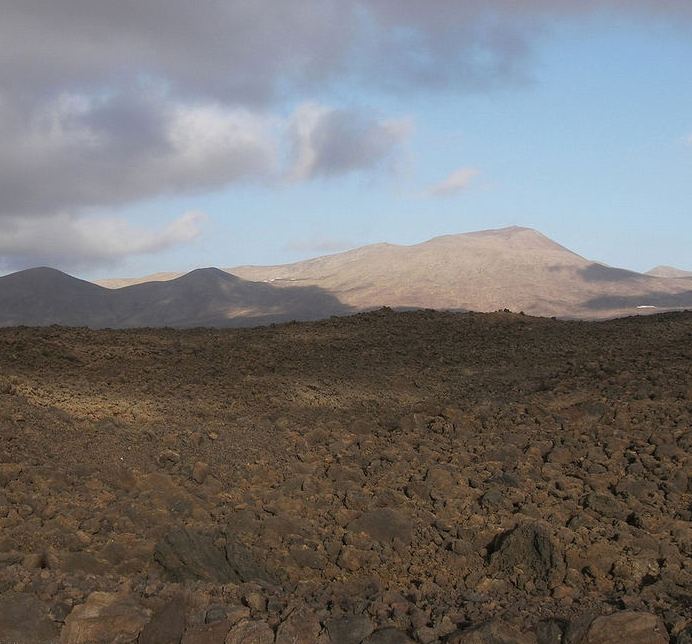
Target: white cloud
point(456, 182)
point(73, 242)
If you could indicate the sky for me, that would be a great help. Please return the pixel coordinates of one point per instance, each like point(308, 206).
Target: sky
point(156, 135)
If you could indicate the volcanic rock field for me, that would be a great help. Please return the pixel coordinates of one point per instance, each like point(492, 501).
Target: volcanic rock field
point(382, 478)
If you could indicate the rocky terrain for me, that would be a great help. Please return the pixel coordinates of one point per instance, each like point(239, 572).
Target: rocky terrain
point(381, 478)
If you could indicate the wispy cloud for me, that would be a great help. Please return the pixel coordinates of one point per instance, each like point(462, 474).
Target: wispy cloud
point(457, 181)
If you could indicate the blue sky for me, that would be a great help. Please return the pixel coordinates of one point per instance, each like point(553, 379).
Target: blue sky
point(589, 142)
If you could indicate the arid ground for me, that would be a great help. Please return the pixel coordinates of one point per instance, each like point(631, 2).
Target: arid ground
point(382, 478)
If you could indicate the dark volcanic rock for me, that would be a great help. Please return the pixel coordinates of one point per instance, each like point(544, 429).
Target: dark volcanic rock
point(242, 563)
point(388, 636)
point(493, 632)
point(630, 627)
point(166, 625)
point(104, 618)
point(528, 552)
point(24, 620)
point(383, 525)
point(186, 554)
point(251, 632)
point(351, 629)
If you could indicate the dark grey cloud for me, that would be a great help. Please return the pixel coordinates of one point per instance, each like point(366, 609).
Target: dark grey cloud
point(251, 51)
point(76, 152)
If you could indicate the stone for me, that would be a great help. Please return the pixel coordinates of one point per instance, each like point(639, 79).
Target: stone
point(9, 472)
point(529, 550)
point(206, 633)
point(383, 525)
point(551, 631)
point(167, 624)
point(351, 629)
point(627, 626)
point(493, 632)
point(187, 554)
point(105, 618)
point(243, 564)
point(24, 620)
point(388, 636)
point(168, 457)
point(200, 471)
point(301, 627)
point(251, 632)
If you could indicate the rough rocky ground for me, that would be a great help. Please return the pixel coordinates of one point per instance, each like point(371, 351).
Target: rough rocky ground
point(384, 478)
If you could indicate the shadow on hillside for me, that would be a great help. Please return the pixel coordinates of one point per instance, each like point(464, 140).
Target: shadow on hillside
point(600, 273)
point(658, 300)
point(286, 304)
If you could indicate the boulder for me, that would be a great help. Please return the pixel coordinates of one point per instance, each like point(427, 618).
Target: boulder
point(301, 627)
point(627, 626)
point(528, 551)
point(492, 632)
point(24, 620)
point(251, 632)
point(388, 636)
point(167, 624)
point(187, 554)
point(383, 525)
point(106, 618)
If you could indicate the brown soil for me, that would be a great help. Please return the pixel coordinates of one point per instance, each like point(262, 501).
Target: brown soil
point(386, 477)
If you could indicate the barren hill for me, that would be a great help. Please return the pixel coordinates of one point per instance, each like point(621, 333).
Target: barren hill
point(205, 297)
point(668, 271)
point(515, 268)
point(512, 268)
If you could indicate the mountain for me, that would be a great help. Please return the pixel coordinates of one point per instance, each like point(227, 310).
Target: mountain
point(515, 268)
point(668, 271)
point(204, 297)
point(42, 296)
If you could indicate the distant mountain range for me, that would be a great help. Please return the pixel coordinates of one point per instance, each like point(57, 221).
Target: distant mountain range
point(668, 271)
point(515, 268)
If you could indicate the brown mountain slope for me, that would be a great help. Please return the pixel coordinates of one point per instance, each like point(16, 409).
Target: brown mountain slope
point(205, 297)
point(668, 271)
point(515, 268)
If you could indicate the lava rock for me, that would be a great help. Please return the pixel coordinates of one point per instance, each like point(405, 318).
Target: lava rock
point(627, 626)
point(24, 620)
point(187, 554)
point(103, 619)
point(529, 550)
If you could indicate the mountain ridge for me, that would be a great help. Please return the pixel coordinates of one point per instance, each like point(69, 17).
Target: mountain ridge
point(512, 268)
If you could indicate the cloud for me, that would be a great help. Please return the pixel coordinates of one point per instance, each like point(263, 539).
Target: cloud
point(328, 141)
point(456, 182)
point(254, 52)
point(76, 242)
point(78, 152)
point(106, 103)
